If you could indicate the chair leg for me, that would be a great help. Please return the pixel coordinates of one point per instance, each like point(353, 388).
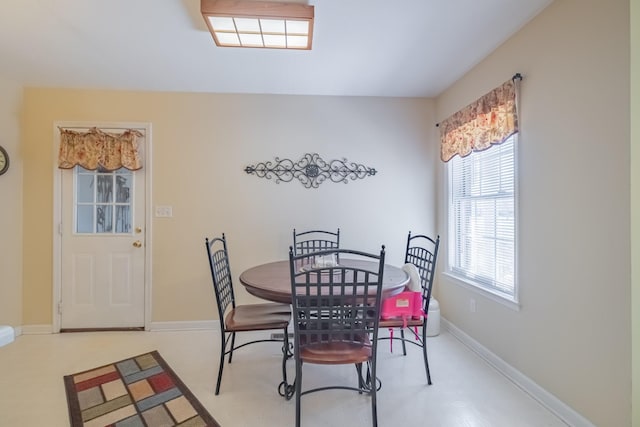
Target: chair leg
point(404, 347)
point(298, 385)
point(424, 353)
point(222, 351)
point(233, 344)
point(285, 389)
point(373, 396)
point(285, 356)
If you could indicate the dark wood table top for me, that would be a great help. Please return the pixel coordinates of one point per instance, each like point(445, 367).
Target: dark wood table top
point(272, 281)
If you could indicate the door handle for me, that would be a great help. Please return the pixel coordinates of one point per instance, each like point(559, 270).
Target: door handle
point(137, 244)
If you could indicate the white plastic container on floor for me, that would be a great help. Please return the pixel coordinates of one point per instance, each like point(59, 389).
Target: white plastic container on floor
point(433, 322)
point(6, 335)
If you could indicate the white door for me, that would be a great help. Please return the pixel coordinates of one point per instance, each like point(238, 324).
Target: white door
point(102, 260)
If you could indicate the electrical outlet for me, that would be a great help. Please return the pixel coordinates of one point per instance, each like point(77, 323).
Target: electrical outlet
point(164, 211)
point(472, 305)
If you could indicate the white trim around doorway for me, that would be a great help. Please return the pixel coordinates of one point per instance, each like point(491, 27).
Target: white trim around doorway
point(57, 213)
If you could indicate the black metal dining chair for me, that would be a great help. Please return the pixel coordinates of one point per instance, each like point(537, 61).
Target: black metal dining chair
point(336, 312)
point(241, 318)
point(310, 241)
point(422, 252)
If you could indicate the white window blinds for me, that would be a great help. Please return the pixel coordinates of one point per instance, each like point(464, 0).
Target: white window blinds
point(482, 218)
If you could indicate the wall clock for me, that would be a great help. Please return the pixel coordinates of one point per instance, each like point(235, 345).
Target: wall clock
point(4, 160)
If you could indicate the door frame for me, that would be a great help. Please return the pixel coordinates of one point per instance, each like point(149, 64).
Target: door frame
point(57, 212)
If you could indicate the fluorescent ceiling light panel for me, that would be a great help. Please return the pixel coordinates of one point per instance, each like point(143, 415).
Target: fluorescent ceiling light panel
point(262, 24)
point(274, 41)
point(272, 26)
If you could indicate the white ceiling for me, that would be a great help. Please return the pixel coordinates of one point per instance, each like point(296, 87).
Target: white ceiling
point(406, 48)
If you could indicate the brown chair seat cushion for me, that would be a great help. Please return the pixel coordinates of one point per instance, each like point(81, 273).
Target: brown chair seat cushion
point(252, 317)
point(398, 323)
point(336, 353)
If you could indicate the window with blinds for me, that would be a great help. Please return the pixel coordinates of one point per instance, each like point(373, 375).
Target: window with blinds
point(482, 221)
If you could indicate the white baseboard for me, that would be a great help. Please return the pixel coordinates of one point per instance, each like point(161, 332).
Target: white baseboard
point(194, 325)
point(35, 329)
point(546, 399)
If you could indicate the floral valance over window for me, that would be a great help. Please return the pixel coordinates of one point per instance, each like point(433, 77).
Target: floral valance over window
point(489, 120)
point(95, 149)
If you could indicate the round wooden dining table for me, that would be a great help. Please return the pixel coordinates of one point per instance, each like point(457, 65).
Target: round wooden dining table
point(272, 281)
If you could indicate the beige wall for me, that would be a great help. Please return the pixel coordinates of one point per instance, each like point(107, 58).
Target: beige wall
point(635, 205)
point(572, 332)
point(11, 206)
point(201, 144)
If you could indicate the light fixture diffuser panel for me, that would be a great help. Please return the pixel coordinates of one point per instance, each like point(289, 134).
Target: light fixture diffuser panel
point(247, 25)
point(275, 41)
point(251, 23)
point(222, 23)
point(251, 40)
point(297, 42)
point(227, 39)
point(272, 26)
point(297, 27)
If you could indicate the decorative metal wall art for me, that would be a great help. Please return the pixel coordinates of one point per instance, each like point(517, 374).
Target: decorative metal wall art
point(311, 170)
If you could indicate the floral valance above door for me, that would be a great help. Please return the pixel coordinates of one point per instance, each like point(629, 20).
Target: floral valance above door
point(490, 120)
point(96, 148)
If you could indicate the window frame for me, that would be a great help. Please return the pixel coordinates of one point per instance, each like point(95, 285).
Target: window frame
point(94, 204)
point(512, 301)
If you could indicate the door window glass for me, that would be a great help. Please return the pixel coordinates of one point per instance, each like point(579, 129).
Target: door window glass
point(103, 201)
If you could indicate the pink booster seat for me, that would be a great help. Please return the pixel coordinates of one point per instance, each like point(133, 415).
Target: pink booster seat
point(405, 305)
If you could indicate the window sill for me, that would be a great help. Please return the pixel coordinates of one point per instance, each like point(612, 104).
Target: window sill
point(507, 301)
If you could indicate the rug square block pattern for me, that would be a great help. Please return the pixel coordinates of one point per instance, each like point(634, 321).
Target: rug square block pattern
point(142, 391)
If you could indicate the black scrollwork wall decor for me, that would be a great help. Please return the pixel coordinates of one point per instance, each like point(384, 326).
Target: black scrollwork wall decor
point(311, 170)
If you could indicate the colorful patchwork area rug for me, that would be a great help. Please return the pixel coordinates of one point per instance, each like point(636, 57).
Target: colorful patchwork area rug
point(142, 391)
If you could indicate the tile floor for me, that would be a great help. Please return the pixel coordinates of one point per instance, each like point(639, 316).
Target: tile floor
point(466, 392)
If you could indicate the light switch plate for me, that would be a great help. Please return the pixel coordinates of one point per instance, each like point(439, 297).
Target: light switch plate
point(164, 211)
